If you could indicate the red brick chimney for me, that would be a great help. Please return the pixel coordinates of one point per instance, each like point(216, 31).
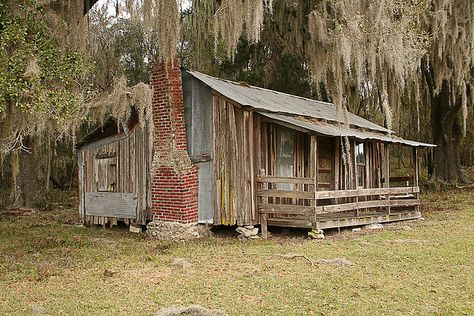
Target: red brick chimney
point(175, 182)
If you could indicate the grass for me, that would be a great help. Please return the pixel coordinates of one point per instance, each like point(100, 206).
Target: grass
point(426, 270)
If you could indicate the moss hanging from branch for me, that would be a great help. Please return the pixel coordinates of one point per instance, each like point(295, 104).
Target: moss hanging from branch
point(41, 71)
point(380, 43)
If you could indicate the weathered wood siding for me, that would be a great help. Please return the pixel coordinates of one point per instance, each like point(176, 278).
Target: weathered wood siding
point(234, 158)
point(114, 165)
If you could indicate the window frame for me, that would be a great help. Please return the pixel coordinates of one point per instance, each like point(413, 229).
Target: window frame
point(360, 164)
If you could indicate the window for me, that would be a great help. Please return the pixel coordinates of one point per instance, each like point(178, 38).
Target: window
point(360, 164)
point(285, 156)
point(106, 172)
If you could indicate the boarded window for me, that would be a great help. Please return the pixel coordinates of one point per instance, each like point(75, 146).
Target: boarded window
point(106, 174)
point(285, 156)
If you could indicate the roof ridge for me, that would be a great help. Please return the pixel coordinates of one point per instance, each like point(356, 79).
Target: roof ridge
point(320, 107)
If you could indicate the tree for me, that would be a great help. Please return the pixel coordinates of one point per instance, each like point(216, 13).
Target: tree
point(448, 75)
point(40, 90)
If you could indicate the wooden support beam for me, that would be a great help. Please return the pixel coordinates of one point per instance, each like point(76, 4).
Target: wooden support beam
point(263, 225)
point(387, 173)
point(252, 165)
point(416, 172)
point(314, 162)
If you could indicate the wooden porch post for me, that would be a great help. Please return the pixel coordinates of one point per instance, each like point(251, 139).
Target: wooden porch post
point(263, 225)
point(416, 172)
point(263, 216)
point(415, 167)
point(387, 174)
point(313, 165)
point(387, 166)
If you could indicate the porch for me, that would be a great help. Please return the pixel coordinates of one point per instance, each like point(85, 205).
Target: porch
point(300, 205)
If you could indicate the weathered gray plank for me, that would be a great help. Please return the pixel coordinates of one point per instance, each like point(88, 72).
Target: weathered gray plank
point(365, 192)
point(367, 204)
point(286, 194)
point(272, 179)
point(270, 208)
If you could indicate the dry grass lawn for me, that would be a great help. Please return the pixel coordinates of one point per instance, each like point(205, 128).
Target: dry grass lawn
point(48, 263)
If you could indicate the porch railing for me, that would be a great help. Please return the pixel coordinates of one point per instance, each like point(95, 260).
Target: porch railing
point(302, 201)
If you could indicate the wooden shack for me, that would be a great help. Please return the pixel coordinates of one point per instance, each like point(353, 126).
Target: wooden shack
point(284, 160)
point(262, 157)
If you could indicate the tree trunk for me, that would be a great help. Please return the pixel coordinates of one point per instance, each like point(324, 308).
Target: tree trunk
point(29, 174)
point(447, 135)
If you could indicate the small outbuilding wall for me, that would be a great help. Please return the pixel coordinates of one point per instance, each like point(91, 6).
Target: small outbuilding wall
point(114, 178)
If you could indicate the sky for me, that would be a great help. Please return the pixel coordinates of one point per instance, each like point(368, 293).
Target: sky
point(111, 4)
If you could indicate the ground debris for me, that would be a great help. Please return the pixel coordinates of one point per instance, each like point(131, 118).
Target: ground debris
point(192, 310)
point(182, 263)
point(38, 309)
point(22, 211)
point(295, 255)
point(406, 241)
point(339, 262)
point(109, 273)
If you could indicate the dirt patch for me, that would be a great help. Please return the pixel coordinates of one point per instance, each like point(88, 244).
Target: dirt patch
point(338, 262)
point(194, 310)
point(182, 263)
point(406, 241)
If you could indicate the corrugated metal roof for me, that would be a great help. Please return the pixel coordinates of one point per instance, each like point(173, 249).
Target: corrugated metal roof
point(278, 102)
point(334, 130)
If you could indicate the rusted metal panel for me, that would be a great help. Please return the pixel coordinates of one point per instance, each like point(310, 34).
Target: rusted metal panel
point(111, 204)
point(328, 129)
point(199, 137)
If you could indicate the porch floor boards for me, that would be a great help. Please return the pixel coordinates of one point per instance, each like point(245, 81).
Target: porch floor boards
point(325, 221)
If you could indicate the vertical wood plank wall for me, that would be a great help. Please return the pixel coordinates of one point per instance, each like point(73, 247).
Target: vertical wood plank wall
point(133, 164)
point(234, 164)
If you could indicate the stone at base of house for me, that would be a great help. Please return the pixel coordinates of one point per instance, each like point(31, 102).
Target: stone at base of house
point(174, 231)
point(135, 229)
point(316, 234)
point(373, 226)
point(249, 232)
point(357, 229)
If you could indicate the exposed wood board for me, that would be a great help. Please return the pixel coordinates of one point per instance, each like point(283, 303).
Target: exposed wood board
point(359, 221)
point(367, 204)
point(286, 209)
point(365, 192)
point(285, 222)
point(286, 194)
point(273, 179)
